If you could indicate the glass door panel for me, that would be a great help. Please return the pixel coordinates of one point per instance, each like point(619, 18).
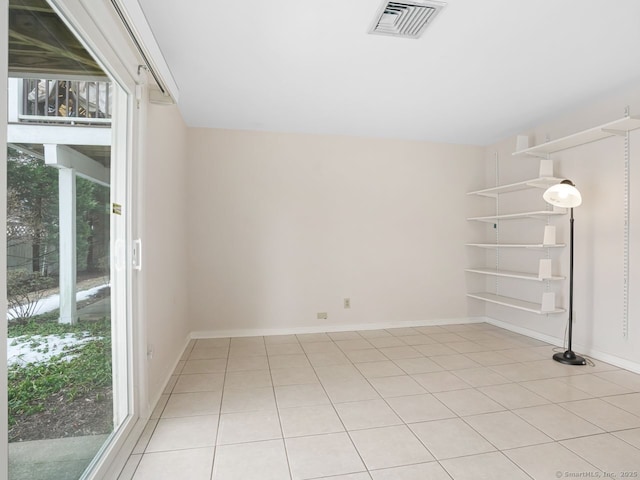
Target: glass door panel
point(66, 275)
point(59, 318)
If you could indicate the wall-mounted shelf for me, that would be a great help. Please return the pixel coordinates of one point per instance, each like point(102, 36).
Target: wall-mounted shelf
point(544, 276)
point(515, 245)
point(542, 182)
point(514, 303)
point(509, 274)
point(542, 214)
point(617, 127)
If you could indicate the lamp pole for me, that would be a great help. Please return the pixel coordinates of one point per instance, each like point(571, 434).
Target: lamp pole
point(569, 357)
point(566, 195)
point(570, 281)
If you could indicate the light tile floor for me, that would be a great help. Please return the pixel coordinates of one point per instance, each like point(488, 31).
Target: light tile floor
point(441, 402)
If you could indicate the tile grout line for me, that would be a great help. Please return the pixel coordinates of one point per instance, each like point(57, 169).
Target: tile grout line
point(215, 441)
point(403, 421)
point(334, 407)
point(399, 417)
point(275, 401)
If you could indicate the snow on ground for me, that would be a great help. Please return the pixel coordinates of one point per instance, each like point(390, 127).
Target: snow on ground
point(51, 303)
point(40, 348)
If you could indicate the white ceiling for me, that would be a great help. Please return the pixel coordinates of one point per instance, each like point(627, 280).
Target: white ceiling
point(484, 70)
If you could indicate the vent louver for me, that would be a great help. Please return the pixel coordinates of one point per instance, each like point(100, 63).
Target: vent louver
point(405, 19)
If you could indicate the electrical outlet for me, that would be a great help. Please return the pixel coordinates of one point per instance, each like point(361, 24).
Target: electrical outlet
point(322, 315)
point(347, 303)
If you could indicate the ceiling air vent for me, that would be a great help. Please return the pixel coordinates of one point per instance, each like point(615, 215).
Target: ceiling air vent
point(405, 19)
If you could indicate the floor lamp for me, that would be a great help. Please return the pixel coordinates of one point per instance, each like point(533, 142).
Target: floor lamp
point(566, 195)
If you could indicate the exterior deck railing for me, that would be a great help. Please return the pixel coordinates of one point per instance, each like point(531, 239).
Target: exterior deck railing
point(65, 102)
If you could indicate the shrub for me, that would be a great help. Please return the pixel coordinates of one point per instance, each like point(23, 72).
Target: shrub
point(24, 290)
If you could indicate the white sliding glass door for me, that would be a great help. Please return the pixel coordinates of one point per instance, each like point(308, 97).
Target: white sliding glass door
point(67, 263)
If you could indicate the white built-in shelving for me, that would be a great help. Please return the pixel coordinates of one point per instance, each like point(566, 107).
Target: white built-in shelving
point(516, 245)
point(546, 178)
point(621, 128)
point(617, 127)
point(514, 303)
point(541, 215)
point(541, 182)
point(509, 274)
point(547, 305)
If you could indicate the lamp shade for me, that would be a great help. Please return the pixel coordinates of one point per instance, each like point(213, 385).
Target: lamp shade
point(564, 194)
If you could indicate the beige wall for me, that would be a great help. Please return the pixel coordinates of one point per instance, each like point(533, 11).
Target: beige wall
point(283, 226)
point(598, 171)
point(164, 232)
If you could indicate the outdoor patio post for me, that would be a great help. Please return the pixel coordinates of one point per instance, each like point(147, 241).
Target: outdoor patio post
point(67, 265)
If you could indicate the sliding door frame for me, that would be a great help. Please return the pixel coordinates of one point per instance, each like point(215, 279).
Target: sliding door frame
point(4, 75)
point(99, 28)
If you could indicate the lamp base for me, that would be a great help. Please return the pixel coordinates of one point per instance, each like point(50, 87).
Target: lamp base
point(569, 358)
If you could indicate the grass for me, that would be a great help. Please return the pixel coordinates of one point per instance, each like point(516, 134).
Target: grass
point(89, 370)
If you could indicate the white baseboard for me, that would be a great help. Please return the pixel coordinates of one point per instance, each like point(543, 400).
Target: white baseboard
point(260, 332)
point(116, 466)
point(523, 331)
point(581, 349)
point(164, 384)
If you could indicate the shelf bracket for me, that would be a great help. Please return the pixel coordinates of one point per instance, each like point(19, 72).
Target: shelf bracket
point(544, 156)
point(613, 131)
